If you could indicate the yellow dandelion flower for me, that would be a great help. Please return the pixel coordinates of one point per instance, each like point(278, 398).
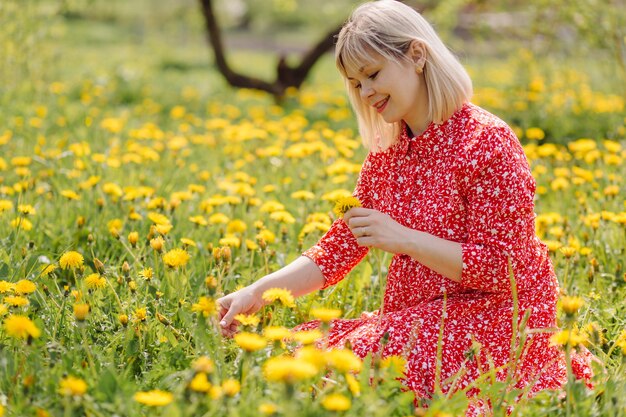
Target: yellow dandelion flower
point(396, 362)
point(251, 245)
point(288, 369)
point(188, 242)
point(22, 223)
point(568, 251)
point(146, 273)
point(200, 383)
point(250, 342)
point(163, 229)
point(230, 240)
point(70, 195)
point(81, 311)
point(218, 218)
point(26, 209)
point(268, 409)
point(205, 305)
point(199, 220)
point(231, 387)
point(571, 305)
point(158, 218)
point(307, 337)
point(141, 314)
point(353, 385)
point(21, 327)
point(24, 286)
point(344, 204)
point(72, 386)
point(248, 319)
point(282, 216)
point(566, 337)
point(6, 286)
point(176, 257)
point(325, 314)
point(336, 402)
point(16, 301)
point(71, 259)
point(47, 269)
point(95, 281)
point(236, 226)
point(312, 355)
point(303, 195)
point(276, 332)
point(203, 364)
point(154, 398)
point(5, 205)
point(266, 235)
point(344, 360)
point(279, 294)
point(3, 310)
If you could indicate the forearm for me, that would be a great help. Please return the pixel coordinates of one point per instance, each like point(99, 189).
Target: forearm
point(301, 277)
point(442, 256)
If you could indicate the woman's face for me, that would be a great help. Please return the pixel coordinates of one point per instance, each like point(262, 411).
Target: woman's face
point(394, 89)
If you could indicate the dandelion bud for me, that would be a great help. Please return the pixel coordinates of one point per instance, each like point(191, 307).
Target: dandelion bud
point(80, 222)
point(81, 311)
point(123, 318)
point(100, 202)
point(210, 282)
point(99, 265)
point(157, 243)
point(209, 247)
point(262, 243)
point(133, 237)
point(217, 254)
point(174, 204)
point(226, 253)
point(120, 280)
point(158, 295)
point(164, 320)
point(152, 232)
point(132, 285)
point(24, 252)
point(126, 268)
point(91, 238)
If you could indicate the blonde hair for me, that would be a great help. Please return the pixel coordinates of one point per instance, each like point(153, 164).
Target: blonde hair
point(387, 28)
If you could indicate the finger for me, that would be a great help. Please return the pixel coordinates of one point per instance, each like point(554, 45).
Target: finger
point(229, 316)
point(367, 241)
point(358, 212)
point(357, 222)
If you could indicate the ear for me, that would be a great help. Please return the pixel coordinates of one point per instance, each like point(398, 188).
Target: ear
point(417, 52)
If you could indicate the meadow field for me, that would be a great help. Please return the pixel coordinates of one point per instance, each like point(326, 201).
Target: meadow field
point(136, 188)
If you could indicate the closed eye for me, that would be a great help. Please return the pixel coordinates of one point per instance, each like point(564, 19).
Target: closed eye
point(371, 77)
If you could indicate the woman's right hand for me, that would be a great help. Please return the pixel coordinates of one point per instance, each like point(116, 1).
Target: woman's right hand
point(244, 301)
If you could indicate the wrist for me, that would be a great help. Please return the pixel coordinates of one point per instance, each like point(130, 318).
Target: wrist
point(414, 243)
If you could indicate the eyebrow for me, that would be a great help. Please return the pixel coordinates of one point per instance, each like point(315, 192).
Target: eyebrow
point(360, 70)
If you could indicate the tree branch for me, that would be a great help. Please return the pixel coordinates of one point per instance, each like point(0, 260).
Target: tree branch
point(286, 75)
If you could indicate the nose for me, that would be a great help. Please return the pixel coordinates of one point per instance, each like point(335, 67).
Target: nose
point(366, 90)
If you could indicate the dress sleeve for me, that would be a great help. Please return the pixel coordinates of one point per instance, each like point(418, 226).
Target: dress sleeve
point(337, 252)
point(499, 195)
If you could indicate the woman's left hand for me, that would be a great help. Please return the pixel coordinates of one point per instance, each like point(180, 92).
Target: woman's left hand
point(373, 228)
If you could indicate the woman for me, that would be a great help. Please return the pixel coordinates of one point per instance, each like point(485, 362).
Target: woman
point(447, 189)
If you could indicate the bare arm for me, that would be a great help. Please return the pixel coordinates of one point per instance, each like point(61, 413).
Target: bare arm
point(301, 277)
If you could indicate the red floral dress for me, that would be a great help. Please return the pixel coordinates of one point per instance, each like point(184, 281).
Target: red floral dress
point(466, 180)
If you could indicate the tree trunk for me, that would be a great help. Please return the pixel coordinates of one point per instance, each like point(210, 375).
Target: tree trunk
point(286, 75)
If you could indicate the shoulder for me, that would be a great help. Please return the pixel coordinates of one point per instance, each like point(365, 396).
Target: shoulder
point(481, 135)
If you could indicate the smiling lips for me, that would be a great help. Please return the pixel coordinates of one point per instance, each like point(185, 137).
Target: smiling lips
point(380, 105)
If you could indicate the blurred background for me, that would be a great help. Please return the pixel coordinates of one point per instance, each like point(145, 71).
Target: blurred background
point(541, 57)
